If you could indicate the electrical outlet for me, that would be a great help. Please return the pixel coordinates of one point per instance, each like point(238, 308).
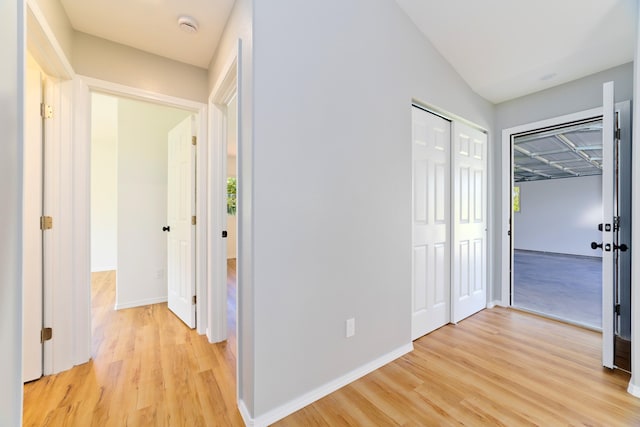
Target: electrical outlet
point(350, 327)
point(160, 274)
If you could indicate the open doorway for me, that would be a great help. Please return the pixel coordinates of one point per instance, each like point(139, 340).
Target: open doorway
point(130, 192)
point(557, 197)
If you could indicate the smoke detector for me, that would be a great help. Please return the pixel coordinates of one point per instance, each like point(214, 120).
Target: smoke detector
point(188, 24)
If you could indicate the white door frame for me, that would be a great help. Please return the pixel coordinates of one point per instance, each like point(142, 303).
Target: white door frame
point(506, 191)
point(70, 346)
point(222, 94)
point(88, 85)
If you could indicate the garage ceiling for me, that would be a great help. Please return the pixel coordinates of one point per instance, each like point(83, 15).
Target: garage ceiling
point(570, 151)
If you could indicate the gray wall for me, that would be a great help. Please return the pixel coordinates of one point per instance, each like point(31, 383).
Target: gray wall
point(11, 123)
point(332, 230)
point(559, 215)
point(579, 95)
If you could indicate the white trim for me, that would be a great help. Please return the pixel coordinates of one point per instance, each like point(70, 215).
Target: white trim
point(198, 108)
point(507, 178)
point(44, 46)
point(224, 91)
point(140, 303)
point(245, 414)
point(308, 398)
point(634, 383)
point(131, 92)
point(102, 269)
point(633, 389)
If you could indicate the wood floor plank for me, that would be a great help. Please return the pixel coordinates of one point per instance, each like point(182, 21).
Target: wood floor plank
point(498, 367)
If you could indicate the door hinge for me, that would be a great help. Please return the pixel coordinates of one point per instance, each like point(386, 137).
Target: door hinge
point(617, 309)
point(194, 140)
point(194, 299)
point(46, 334)
point(193, 220)
point(617, 134)
point(46, 223)
point(46, 111)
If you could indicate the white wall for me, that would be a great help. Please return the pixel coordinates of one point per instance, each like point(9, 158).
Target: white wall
point(104, 182)
point(105, 60)
point(559, 215)
point(579, 95)
point(11, 122)
point(334, 82)
point(240, 27)
point(142, 201)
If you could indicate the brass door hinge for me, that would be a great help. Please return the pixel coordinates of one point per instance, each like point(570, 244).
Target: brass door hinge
point(46, 223)
point(194, 299)
point(194, 140)
point(46, 334)
point(193, 220)
point(46, 111)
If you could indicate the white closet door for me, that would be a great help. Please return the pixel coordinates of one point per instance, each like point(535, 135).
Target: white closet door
point(430, 218)
point(469, 287)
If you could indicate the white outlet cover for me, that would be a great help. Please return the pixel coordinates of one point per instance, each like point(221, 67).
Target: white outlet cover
point(351, 327)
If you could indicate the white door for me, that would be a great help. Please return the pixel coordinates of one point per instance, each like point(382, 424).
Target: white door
point(180, 230)
point(430, 218)
point(469, 288)
point(32, 235)
point(608, 200)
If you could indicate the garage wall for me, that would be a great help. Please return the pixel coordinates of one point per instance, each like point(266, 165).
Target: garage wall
point(559, 215)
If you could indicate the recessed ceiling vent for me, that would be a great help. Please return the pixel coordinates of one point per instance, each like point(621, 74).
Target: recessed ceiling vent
point(188, 24)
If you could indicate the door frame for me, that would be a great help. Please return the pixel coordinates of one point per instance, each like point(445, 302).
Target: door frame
point(506, 236)
point(223, 92)
point(83, 200)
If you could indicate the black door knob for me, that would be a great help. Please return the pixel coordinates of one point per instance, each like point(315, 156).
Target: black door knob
point(623, 247)
point(168, 228)
point(595, 245)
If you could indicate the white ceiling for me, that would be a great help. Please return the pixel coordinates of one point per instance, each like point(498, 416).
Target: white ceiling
point(502, 48)
point(152, 25)
point(509, 48)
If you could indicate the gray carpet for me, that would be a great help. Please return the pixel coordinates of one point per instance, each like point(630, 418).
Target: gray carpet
point(568, 287)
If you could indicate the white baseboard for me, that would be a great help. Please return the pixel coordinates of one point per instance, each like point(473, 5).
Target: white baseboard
point(244, 413)
point(633, 389)
point(101, 269)
point(495, 303)
point(308, 398)
point(140, 303)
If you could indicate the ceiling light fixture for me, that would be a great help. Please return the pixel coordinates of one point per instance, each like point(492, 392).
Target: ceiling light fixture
point(188, 24)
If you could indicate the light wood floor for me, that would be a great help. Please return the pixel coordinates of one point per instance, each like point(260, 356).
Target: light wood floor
point(499, 367)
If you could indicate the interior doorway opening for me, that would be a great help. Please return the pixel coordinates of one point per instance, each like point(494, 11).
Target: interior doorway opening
point(557, 206)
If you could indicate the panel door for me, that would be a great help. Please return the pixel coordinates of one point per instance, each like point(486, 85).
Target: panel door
point(469, 287)
point(608, 194)
point(430, 218)
point(32, 235)
point(181, 233)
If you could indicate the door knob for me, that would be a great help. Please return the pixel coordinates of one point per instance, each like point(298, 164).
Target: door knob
point(595, 245)
point(168, 228)
point(622, 247)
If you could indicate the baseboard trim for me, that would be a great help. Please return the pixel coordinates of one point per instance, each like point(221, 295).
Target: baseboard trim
point(633, 389)
point(103, 269)
point(244, 413)
point(495, 303)
point(140, 303)
point(308, 398)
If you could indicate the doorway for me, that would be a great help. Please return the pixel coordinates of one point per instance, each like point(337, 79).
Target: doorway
point(557, 192)
point(130, 203)
point(611, 226)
